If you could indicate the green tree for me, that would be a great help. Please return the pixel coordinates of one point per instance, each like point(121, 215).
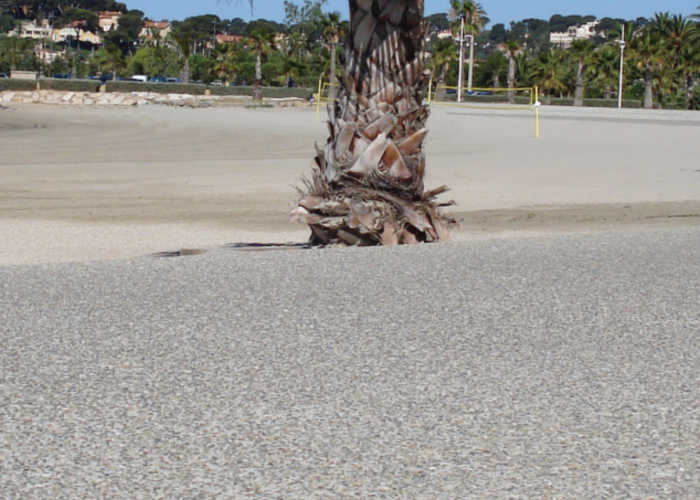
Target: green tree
point(201, 29)
point(307, 20)
point(688, 68)
point(126, 36)
point(80, 19)
point(646, 52)
point(333, 29)
point(261, 43)
point(605, 68)
point(523, 69)
point(472, 13)
point(548, 72)
point(113, 59)
point(225, 64)
point(182, 43)
point(491, 71)
point(17, 53)
point(512, 48)
point(581, 52)
point(444, 54)
point(291, 61)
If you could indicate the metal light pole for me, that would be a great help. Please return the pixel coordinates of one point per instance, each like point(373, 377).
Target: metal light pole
point(460, 83)
point(471, 63)
point(622, 67)
point(214, 39)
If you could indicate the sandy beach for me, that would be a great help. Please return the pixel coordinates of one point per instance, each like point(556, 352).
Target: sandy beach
point(552, 352)
point(88, 184)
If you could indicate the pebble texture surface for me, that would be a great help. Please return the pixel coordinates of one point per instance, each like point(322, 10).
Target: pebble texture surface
point(551, 367)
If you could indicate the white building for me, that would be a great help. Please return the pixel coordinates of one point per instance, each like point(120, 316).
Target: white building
point(564, 39)
point(108, 20)
point(29, 29)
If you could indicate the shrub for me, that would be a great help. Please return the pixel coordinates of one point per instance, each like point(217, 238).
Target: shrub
point(272, 92)
point(69, 85)
point(157, 88)
point(16, 85)
point(554, 101)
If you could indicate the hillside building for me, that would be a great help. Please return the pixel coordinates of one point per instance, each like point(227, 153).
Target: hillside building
point(108, 20)
point(563, 40)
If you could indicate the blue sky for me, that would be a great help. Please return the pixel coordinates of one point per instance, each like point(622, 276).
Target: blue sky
point(499, 11)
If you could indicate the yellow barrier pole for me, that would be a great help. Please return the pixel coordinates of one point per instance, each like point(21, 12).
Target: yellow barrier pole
point(537, 114)
point(318, 101)
point(430, 92)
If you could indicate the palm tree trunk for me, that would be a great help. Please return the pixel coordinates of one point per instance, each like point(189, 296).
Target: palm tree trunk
point(185, 73)
point(332, 91)
point(441, 91)
point(257, 89)
point(648, 88)
point(367, 184)
point(511, 78)
point(578, 98)
point(689, 92)
point(607, 92)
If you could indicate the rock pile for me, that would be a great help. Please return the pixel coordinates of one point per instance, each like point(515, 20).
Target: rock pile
point(115, 99)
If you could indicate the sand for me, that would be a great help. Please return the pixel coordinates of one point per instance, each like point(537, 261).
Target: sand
point(89, 184)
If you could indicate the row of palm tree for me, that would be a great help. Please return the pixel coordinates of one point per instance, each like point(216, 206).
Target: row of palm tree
point(662, 59)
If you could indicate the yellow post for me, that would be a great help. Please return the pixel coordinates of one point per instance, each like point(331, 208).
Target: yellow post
point(537, 114)
point(318, 101)
point(430, 92)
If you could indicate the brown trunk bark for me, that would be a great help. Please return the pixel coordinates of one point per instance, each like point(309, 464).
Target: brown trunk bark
point(332, 88)
point(257, 89)
point(578, 99)
point(648, 88)
point(511, 78)
point(185, 73)
point(441, 91)
point(367, 184)
point(689, 93)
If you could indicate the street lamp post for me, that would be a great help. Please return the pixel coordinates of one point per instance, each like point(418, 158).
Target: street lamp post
point(622, 67)
point(470, 76)
point(461, 62)
point(213, 43)
point(471, 63)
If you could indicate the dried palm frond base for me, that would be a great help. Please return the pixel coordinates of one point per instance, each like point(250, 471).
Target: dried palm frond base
point(367, 182)
point(358, 213)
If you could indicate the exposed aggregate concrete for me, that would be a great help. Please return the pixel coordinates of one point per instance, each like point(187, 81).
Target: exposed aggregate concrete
point(552, 367)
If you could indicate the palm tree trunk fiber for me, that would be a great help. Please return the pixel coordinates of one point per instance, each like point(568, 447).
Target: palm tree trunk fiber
point(332, 91)
point(257, 88)
point(367, 186)
point(648, 88)
point(511, 78)
point(578, 99)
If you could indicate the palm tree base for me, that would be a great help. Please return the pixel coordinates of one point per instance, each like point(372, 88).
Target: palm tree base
point(370, 212)
point(366, 186)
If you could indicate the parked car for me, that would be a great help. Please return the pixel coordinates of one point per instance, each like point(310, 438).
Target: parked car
point(159, 79)
point(139, 78)
point(479, 92)
point(3, 75)
point(62, 76)
point(173, 80)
